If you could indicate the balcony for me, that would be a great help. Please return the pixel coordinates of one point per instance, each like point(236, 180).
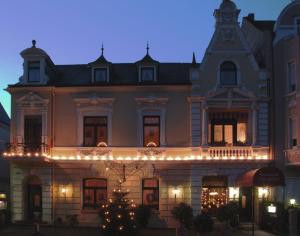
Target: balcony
point(293, 156)
point(26, 150)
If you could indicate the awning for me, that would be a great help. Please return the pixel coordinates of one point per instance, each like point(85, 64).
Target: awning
point(263, 177)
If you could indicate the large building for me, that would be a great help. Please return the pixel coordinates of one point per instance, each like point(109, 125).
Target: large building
point(4, 165)
point(200, 133)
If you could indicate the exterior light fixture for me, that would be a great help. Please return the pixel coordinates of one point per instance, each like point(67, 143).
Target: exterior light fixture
point(263, 192)
point(175, 192)
point(234, 193)
point(272, 209)
point(292, 201)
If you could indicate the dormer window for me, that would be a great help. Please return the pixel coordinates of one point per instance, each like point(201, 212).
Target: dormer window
point(100, 75)
point(147, 74)
point(34, 71)
point(228, 74)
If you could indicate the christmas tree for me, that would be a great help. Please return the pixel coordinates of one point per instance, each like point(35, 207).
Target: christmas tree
point(118, 215)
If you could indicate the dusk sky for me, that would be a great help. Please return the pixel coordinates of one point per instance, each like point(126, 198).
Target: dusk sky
point(71, 31)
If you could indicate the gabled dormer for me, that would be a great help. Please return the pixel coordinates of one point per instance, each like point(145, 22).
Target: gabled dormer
point(100, 69)
point(37, 66)
point(147, 69)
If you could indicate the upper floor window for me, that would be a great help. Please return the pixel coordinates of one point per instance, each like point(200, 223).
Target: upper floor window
point(228, 129)
point(150, 190)
point(151, 126)
point(292, 133)
point(32, 133)
point(228, 74)
point(291, 77)
point(34, 71)
point(100, 75)
point(95, 131)
point(147, 74)
point(94, 192)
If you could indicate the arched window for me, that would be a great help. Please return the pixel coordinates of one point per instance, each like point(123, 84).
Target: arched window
point(228, 74)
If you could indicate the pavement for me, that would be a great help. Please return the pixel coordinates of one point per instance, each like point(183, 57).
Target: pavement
point(85, 231)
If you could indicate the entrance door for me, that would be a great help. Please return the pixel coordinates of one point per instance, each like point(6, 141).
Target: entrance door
point(34, 202)
point(245, 204)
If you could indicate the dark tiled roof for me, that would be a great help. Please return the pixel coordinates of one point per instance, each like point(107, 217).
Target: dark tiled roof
point(121, 74)
point(261, 24)
point(3, 116)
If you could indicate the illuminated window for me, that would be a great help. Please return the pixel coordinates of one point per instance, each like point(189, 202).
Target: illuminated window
point(228, 74)
point(151, 130)
point(150, 190)
point(292, 133)
point(100, 75)
point(229, 132)
point(147, 74)
point(95, 131)
point(291, 77)
point(34, 71)
point(94, 192)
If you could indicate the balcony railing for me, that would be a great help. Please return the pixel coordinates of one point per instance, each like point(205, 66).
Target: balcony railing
point(27, 149)
point(237, 152)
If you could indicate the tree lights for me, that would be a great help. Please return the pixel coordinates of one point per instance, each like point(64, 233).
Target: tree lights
point(118, 215)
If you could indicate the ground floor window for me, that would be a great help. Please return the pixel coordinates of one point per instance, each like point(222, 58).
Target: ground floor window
point(214, 193)
point(94, 192)
point(150, 190)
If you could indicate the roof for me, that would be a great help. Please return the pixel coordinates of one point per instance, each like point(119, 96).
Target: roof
point(3, 116)
point(121, 74)
point(263, 25)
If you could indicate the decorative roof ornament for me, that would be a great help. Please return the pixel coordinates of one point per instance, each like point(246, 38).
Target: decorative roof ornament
point(227, 13)
point(33, 43)
point(147, 48)
point(101, 59)
point(194, 62)
point(102, 49)
point(147, 58)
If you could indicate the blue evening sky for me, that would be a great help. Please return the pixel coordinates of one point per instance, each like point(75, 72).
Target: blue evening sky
point(71, 31)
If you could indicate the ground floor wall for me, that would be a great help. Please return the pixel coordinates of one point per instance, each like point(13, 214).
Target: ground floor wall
point(62, 187)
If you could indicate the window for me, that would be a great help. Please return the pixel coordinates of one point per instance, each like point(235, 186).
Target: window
point(228, 132)
point(34, 71)
point(95, 131)
point(291, 77)
point(151, 193)
point(94, 192)
point(228, 74)
point(292, 133)
point(32, 133)
point(147, 74)
point(151, 126)
point(100, 75)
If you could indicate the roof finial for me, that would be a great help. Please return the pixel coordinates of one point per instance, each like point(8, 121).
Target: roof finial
point(194, 59)
point(33, 43)
point(102, 49)
point(147, 48)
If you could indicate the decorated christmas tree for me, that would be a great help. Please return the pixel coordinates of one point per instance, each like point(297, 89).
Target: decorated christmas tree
point(118, 215)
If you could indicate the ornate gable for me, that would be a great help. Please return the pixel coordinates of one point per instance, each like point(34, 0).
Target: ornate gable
point(32, 99)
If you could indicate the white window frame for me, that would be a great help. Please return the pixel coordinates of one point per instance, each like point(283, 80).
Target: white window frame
point(43, 77)
point(238, 74)
point(100, 67)
point(31, 104)
point(151, 107)
point(94, 107)
point(140, 73)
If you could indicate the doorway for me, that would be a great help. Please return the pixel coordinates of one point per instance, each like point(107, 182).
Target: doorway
point(33, 198)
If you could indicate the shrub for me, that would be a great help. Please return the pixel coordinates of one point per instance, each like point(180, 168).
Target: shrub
point(203, 223)
point(143, 214)
point(229, 214)
point(183, 213)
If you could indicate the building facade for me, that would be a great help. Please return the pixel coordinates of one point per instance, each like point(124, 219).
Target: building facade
point(4, 165)
point(286, 45)
point(167, 132)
